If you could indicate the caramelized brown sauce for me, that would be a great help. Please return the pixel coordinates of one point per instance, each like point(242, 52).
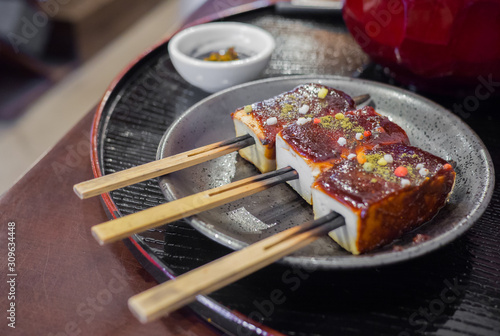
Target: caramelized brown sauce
point(387, 208)
point(320, 141)
point(285, 107)
point(371, 187)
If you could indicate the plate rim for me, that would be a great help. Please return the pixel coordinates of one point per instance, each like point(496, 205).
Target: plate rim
point(362, 261)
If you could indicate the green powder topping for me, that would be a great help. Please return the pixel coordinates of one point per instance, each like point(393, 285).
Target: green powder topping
point(286, 108)
point(327, 122)
point(368, 166)
point(386, 171)
point(330, 122)
point(412, 172)
point(414, 156)
point(382, 162)
point(380, 170)
point(285, 111)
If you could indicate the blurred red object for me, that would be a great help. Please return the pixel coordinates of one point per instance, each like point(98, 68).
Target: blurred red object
point(436, 45)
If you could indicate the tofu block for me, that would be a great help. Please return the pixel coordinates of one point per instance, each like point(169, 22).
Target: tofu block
point(307, 168)
point(319, 144)
point(264, 120)
point(394, 189)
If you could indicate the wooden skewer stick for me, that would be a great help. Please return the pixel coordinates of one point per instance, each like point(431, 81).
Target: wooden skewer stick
point(161, 167)
point(171, 295)
point(168, 165)
point(140, 221)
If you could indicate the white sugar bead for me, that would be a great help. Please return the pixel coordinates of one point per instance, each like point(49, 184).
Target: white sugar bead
point(405, 182)
point(351, 156)
point(423, 171)
point(388, 158)
point(272, 121)
point(304, 109)
point(342, 141)
point(302, 121)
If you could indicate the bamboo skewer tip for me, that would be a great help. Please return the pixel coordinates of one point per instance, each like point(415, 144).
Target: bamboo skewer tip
point(137, 310)
point(78, 192)
point(98, 236)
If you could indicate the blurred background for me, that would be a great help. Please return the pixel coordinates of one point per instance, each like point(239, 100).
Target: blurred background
point(57, 58)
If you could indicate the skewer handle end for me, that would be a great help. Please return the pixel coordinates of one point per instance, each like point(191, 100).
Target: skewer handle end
point(137, 310)
point(100, 236)
point(78, 191)
point(145, 310)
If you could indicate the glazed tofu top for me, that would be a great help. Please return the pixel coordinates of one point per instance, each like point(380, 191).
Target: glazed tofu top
point(304, 101)
point(385, 171)
point(333, 137)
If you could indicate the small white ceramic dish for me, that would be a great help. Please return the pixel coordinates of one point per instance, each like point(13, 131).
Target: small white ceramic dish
point(187, 48)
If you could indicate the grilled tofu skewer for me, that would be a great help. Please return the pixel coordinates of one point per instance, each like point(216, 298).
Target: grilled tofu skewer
point(264, 120)
point(319, 144)
point(366, 194)
point(396, 189)
point(171, 295)
point(177, 162)
point(361, 165)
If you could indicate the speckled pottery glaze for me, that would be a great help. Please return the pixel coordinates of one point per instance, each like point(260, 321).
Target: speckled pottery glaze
point(235, 225)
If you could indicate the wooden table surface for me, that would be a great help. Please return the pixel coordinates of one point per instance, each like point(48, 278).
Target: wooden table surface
point(65, 283)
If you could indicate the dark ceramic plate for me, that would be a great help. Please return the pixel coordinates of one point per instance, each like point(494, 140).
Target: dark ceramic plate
point(235, 225)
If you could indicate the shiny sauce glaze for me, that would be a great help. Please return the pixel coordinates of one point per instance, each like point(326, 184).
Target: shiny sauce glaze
point(359, 185)
point(389, 198)
point(335, 136)
point(286, 107)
